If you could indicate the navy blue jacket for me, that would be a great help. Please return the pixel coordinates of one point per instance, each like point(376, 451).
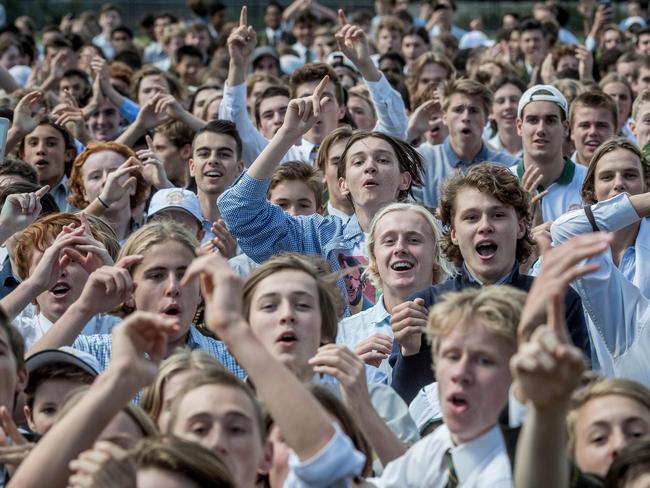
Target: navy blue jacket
point(412, 373)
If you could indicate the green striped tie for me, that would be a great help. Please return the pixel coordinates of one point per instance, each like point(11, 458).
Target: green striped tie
point(452, 478)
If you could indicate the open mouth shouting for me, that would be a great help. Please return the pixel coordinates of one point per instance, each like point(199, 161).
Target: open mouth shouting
point(172, 310)
point(402, 266)
point(287, 339)
point(60, 289)
point(486, 249)
point(457, 403)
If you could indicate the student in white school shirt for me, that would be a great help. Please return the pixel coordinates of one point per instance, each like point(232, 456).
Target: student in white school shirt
point(473, 335)
point(388, 103)
point(542, 123)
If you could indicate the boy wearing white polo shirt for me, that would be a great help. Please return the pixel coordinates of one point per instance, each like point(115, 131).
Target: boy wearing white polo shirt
point(542, 125)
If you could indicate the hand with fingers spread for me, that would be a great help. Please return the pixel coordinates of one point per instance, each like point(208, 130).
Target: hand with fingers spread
point(242, 40)
point(548, 367)
point(28, 113)
point(90, 254)
point(106, 465)
point(409, 321)
point(423, 118)
point(547, 70)
point(72, 118)
point(374, 349)
point(139, 344)
point(302, 113)
point(341, 363)
point(560, 267)
point(20, 210)
point(148, 118)
point(108, 287)
point(14, 448)
point(49, 268)
point(153, 169)
point(531, 181)
point(120, 182)
point(223, 241)
point(167, 106)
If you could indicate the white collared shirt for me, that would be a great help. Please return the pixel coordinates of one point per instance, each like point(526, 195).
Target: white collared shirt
point(32, 325)
point(331, 210)
point(375, 320)
point(480, 463)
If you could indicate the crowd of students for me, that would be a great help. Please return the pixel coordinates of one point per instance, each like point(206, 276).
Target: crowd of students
point(361, 248)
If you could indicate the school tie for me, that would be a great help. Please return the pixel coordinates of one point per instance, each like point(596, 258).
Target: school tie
point(313, 153)
point(452, 478)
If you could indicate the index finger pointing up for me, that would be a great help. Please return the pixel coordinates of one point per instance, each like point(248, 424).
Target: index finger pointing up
point(318, 92)
point(243, 17)
point(342, 19)
point(555, 317)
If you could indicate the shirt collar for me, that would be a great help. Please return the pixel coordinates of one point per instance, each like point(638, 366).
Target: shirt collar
point(565, 178)
point(503, 280)
point(455, 161)
point(470, 455)
point(378, 313)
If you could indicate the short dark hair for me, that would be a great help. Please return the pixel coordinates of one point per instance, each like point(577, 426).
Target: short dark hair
point(494, 180)
point(529, 24)
point(503, 80)
point(18, 167)
point(393, 56)
point(122, 28)
point(219, 126)
point(421, 32)
point(305, 17)
point(270, 92)
point(191, 51)
point(55, 371)
point(178, 133)
point(298, 171)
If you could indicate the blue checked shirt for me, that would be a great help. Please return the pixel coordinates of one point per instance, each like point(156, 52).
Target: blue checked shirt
point(101, 346)
point(264, 230)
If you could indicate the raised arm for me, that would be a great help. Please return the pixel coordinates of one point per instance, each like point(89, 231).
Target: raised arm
point(28, 113)
point(129, 371)
point(46, 272)
point(241, 44)
point(263, 229)
point(388, 103)
point(106, 289)
point(303, 422)
point(546, 369)
point(19, 211)
point(7, 81)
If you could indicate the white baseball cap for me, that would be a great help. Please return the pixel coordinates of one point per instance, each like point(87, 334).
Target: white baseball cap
point(175, 198)
point(543, 93)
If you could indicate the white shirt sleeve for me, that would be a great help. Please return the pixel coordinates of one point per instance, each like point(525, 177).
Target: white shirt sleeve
point(233, 108)
point(333, 467)
point(391, 113)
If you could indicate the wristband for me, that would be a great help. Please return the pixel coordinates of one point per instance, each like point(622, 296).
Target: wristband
point(102, 202)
